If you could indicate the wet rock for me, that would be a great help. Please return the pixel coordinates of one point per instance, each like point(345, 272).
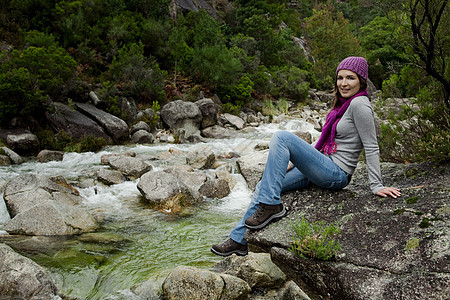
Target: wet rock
point(201, 157)
point(51, 218)
point(216, 132)
point(50, 155)
point(257, 269)
point(142, 137)
point(252, 166)
point(40, 206)
point(27, 190)
point(193, 283)
point(209, 112)
point(114, 126)
point(110, 177)
point(131, 167)
point(21, 278)
point(5, 160)
point(390, 248)
point(166, 191)
point(15, 158)
point(106, 157)
point(232, 120)
point(193, 180)
point(180, 114)
point(23, 144)
point(63, 118)
point(215, 189)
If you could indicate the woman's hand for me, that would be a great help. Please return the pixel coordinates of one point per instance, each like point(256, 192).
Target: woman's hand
point(389, 191)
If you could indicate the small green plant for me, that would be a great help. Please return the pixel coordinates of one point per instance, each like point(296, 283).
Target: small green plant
point(315, 240)
point(269, 108)
point(283, 105)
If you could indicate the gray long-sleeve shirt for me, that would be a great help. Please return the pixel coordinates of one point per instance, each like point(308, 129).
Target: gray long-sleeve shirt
point(355, 131)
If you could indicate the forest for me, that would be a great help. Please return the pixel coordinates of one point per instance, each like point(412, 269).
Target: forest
point(250, 54)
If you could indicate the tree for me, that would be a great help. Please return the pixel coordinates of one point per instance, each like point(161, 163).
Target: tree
point(430, 25)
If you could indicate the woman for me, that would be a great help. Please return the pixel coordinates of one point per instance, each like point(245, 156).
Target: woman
point(349, 128)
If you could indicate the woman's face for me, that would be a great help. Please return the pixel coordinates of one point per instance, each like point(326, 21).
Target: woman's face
point(347, 83)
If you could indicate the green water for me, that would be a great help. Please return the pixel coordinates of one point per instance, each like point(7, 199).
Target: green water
point(145, 246)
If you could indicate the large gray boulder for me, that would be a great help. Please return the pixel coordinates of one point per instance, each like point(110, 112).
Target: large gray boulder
point(257, 269)
point(40, 206)
point(166, 191)
point(21, 278)
point(193, 283)
point(390, 248)
point(62, 118)
point(209, 112)
point(232, 120)
point(131, 167)
point(252, 166)
point(15, 158)
point(201, 157)
point(217, 132)
point(114, 126)
point(24, 143)
point(182, 115)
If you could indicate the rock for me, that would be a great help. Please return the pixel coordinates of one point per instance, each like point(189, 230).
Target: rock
point(51, 218)
point(193, 180)
point(304, 135)
point(106, 157)
point(141, 125)
point(142, 137)
point(23, 144)
point(215, 189)
point(50, 155)
point(201, 157)
point(166, 191)
point(390, 248)
point(257, 269)
point(96, 101)
point(193, 283)
point(27, 190)
point(114, 126)
point(63, 118)
point(252, 166)
point(131, 167)
point(233, 120)
point(5, 160)
point(128, 109)
point(110, 177)
point(209, 112)
point(180, 114)
point(15, 158)
point(40, 206)
point(21, 278)
point(216, 132)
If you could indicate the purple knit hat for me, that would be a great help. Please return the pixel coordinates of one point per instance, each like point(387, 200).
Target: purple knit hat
point(355, 64)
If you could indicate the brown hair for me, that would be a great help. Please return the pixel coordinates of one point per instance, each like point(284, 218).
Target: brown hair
point(338, 95)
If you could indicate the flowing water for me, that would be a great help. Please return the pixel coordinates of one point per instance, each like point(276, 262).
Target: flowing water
point(135, 243)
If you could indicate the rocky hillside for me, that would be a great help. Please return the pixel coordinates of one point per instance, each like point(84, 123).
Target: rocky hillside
point(390, 248)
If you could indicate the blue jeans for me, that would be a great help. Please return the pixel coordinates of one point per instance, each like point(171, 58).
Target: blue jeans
point(311, 167)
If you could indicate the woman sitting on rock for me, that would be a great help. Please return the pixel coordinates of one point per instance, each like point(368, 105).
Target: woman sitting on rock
point(294, 164)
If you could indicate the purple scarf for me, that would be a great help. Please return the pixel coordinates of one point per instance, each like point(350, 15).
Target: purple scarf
point(326, 142)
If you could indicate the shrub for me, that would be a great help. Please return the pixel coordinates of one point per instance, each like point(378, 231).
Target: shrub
point(315, 240)
point(136, 75)
point(290, 82)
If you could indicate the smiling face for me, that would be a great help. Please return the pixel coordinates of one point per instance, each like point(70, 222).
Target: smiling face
point(348, 83)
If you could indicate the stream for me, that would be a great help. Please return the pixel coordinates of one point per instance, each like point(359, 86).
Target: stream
point(134, 243)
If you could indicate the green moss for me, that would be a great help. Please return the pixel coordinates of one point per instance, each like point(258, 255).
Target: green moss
point(398, 211)
point(412, 200)
point(418, 213)
point(412, 244)
point(425, 223)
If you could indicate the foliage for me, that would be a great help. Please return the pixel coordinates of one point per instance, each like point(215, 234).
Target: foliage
point(315, 240)
point(62, 141)
point(234, 109)
point(290, 82)
point(330, 39)
point(136, 74)
point(419, 130)
point(269, 108)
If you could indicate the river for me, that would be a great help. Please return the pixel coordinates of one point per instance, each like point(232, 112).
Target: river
point(135, 243)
